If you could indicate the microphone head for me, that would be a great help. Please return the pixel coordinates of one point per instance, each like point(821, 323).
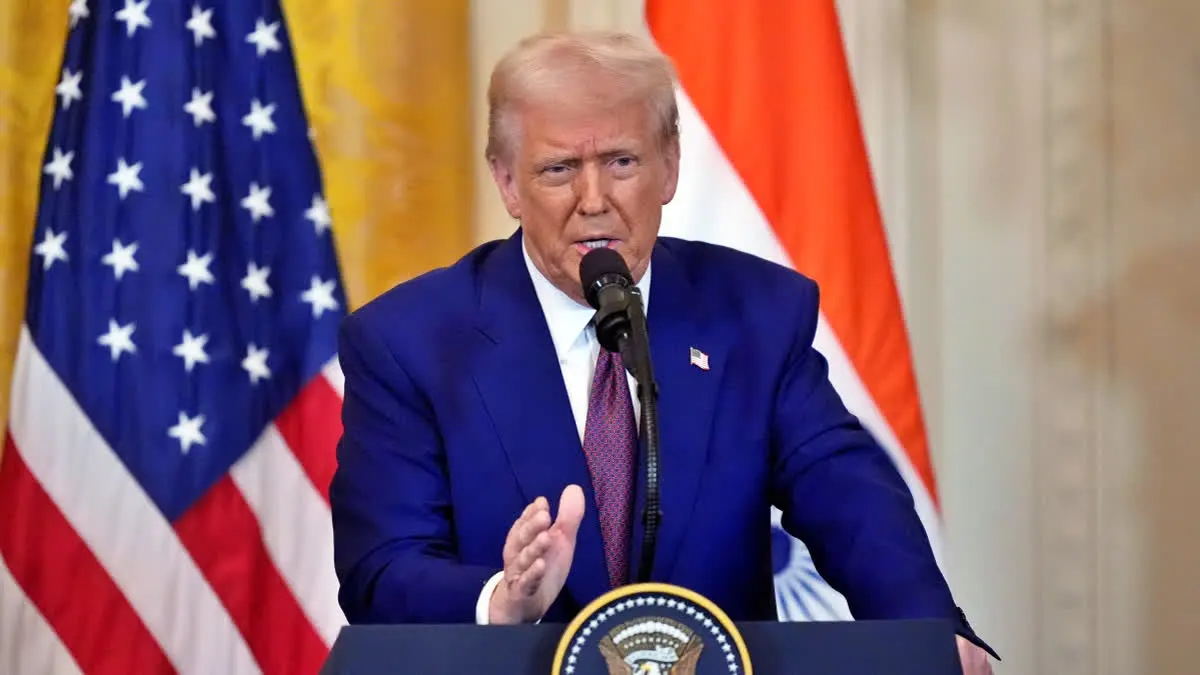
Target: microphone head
point(600, 267)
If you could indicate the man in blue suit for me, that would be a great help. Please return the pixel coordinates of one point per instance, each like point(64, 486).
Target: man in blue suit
point(489, 463)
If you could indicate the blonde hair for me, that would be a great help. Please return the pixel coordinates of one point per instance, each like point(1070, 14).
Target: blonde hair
point(544, 63)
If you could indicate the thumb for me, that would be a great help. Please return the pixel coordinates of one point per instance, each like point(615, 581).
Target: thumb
point(570, 511)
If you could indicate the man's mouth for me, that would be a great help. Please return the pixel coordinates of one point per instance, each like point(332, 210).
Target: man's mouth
point(590, 244)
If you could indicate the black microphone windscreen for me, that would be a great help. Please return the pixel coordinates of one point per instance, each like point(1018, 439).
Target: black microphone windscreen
point(596, 265)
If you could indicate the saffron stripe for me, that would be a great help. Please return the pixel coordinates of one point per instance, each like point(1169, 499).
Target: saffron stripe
point(778, 99)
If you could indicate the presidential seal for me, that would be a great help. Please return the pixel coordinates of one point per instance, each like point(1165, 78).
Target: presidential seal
point(651, 629)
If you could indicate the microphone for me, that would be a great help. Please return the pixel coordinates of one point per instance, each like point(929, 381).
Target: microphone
point(621, 327)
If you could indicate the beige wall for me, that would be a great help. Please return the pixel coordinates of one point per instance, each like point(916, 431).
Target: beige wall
point(495, 25)
point(1039, 166)
point(1054, 196)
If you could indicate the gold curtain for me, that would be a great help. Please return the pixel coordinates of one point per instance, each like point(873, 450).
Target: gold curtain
point(387, 88)
point(31, 39)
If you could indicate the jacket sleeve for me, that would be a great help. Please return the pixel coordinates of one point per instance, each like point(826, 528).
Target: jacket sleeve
point(394, 549)
point(841, 495)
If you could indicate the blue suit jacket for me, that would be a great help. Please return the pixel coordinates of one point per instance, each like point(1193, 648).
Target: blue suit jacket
point(456, 417)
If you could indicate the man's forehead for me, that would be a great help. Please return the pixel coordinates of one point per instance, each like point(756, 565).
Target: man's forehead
point(597, 130)
point(589, 144)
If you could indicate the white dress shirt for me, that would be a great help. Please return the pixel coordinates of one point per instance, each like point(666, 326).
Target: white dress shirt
point(577, 349)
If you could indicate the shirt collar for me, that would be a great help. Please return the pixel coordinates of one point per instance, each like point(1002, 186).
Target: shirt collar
point(566, 318)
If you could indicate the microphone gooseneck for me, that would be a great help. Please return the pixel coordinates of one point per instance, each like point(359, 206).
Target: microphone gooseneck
point(621, 327)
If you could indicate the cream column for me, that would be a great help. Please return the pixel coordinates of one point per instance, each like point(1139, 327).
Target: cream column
point(1057, 173)
point(977, 199)
point(496, 25)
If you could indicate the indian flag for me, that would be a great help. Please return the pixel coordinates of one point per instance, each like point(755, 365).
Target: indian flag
point(775, 164)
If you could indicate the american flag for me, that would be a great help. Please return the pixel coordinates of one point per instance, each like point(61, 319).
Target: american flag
point(175, 400)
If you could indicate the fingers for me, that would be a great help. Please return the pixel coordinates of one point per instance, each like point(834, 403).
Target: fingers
point(511, 547)
point(528, 555)
point(531, 579)
point(533, 520)
point(529, 538)
point(527, 570)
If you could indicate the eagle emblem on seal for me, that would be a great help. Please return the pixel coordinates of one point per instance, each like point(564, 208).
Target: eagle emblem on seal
point(651, 646)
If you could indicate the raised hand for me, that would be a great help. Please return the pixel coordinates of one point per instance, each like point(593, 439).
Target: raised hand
point(537, 559)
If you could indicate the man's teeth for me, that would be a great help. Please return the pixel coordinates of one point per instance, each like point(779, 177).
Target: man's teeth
point(596, 243)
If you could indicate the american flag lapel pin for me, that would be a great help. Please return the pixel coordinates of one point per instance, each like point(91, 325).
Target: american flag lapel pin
point(698, 358)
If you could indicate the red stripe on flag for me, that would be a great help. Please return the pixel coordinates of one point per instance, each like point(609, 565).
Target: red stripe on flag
point(771, 81)
point(224, 538)
point(311, 427)
point(66, 582)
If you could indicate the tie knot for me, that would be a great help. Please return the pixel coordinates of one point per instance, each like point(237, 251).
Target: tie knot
point(609, 363)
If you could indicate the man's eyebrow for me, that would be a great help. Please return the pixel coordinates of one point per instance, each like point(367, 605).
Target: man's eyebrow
point(575, 158)
point(571, 161)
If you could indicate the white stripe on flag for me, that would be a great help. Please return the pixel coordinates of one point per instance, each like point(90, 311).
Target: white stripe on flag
point(856, 397)
point(116, 519)
point(336, 378)
point(27, 643)
point(296, 525)
point(712, 204)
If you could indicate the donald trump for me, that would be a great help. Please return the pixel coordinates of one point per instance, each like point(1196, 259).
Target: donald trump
point(489, 465)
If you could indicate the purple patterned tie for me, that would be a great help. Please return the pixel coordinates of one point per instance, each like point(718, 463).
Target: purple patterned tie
point(610, 445)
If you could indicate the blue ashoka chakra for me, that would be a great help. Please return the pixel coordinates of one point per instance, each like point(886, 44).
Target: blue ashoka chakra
point(801, 594)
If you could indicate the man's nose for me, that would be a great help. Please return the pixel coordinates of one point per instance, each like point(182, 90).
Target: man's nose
point(592, 188)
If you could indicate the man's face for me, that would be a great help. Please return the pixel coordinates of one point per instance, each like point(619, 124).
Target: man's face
point(583, 176)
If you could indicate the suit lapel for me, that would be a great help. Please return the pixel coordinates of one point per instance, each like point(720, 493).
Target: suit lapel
point(522, 387)
point(686, 403)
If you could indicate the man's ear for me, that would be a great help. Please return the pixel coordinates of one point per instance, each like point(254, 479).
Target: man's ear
point(671, 157)
point(506, 181)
